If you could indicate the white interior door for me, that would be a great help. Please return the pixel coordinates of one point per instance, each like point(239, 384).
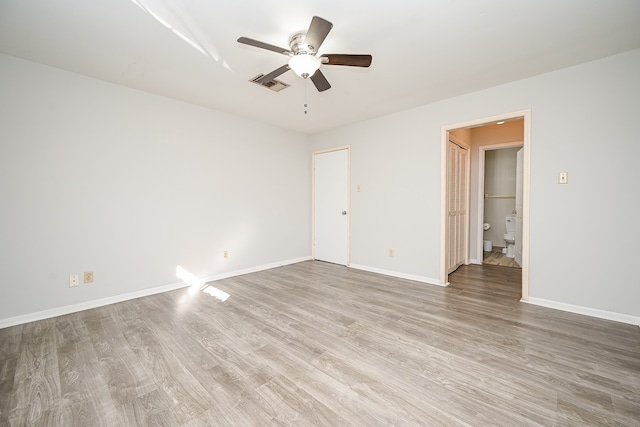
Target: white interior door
point(457, 206)
point(519, 191)
point(331, 202)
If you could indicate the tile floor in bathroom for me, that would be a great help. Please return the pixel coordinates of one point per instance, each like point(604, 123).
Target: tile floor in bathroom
point(496, 257)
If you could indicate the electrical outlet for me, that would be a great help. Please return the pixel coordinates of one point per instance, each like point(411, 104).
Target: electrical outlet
point(392, 253)
point(88, 277)
point(74, 281)
point(225, 254)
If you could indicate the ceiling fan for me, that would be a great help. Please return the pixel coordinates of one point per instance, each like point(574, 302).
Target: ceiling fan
point(303, 55)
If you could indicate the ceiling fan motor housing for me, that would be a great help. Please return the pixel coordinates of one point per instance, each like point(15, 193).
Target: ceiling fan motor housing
point(298, 44)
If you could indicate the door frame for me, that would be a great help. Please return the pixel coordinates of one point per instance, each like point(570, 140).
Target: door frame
point(313, 198)
point(444, 139)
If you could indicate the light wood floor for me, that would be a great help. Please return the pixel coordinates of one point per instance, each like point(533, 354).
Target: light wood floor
point(319, 344)
point(496, 257)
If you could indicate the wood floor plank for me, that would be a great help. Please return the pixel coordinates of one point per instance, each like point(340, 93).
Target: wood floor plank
point(125, 377)
point(84, 392)
point(7, 380)
point(496, 257)
point(36, 381)
point(10, 341)
point(319, 344)
point(150, 409)
point(184, 393)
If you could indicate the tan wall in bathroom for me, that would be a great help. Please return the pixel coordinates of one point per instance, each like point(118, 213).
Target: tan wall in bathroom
point(497, 134)
point(461, 135)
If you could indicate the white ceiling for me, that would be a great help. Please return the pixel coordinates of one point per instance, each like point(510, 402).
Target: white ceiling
point(423, 50)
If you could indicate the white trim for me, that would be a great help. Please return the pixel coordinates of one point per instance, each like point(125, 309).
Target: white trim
point(444, 138)
point(330, 150)
point(60, 311)
point(313, 198)
point(444, 148)
point(256, 269)
point(526, 202)
point(587, 311)
point(68, 309)
point(475, 261)
point(399, 275)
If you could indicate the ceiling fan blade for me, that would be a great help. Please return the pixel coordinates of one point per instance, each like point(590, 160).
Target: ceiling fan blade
point(318, 30)
point(263, 45)
point(348, 60)
point(272, 75)
point(320, 81)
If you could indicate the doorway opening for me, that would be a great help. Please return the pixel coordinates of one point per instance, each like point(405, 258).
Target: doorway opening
point(500, 198)
point(482, 136)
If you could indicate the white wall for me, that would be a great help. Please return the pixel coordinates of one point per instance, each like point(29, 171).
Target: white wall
point(129, 185)
point(98, 177)
point(582, 252)
point(393, 210)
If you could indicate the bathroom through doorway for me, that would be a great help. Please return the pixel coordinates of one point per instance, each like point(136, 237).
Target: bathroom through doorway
point(502, 211)
point(496, 138)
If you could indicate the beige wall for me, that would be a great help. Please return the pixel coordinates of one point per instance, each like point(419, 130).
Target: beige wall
point(497, 134)
point(461, 135)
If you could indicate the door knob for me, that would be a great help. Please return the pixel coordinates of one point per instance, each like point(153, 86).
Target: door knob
point(344, 212)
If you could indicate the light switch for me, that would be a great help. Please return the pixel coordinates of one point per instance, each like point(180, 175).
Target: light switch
point(563, 177)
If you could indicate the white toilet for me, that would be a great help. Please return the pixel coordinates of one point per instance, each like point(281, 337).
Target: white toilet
point(510, 236)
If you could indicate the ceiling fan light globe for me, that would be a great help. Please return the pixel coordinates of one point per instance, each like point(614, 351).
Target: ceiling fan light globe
point(304, 65)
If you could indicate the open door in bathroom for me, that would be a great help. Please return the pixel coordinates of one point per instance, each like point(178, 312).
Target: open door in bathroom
point(519, 208)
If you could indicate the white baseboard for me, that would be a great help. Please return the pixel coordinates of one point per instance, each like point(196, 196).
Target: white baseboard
point(68, 309)
point(399, 275)
point(475, 261)
point(587, 311)
point(256, 269)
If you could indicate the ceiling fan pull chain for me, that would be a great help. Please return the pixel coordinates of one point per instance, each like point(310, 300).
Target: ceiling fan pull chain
point(306, 85)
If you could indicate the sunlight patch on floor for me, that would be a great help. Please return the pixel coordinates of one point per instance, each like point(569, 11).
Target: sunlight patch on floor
point(197, 284)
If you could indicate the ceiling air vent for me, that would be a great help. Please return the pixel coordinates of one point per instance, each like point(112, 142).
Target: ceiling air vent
point(274, 85)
